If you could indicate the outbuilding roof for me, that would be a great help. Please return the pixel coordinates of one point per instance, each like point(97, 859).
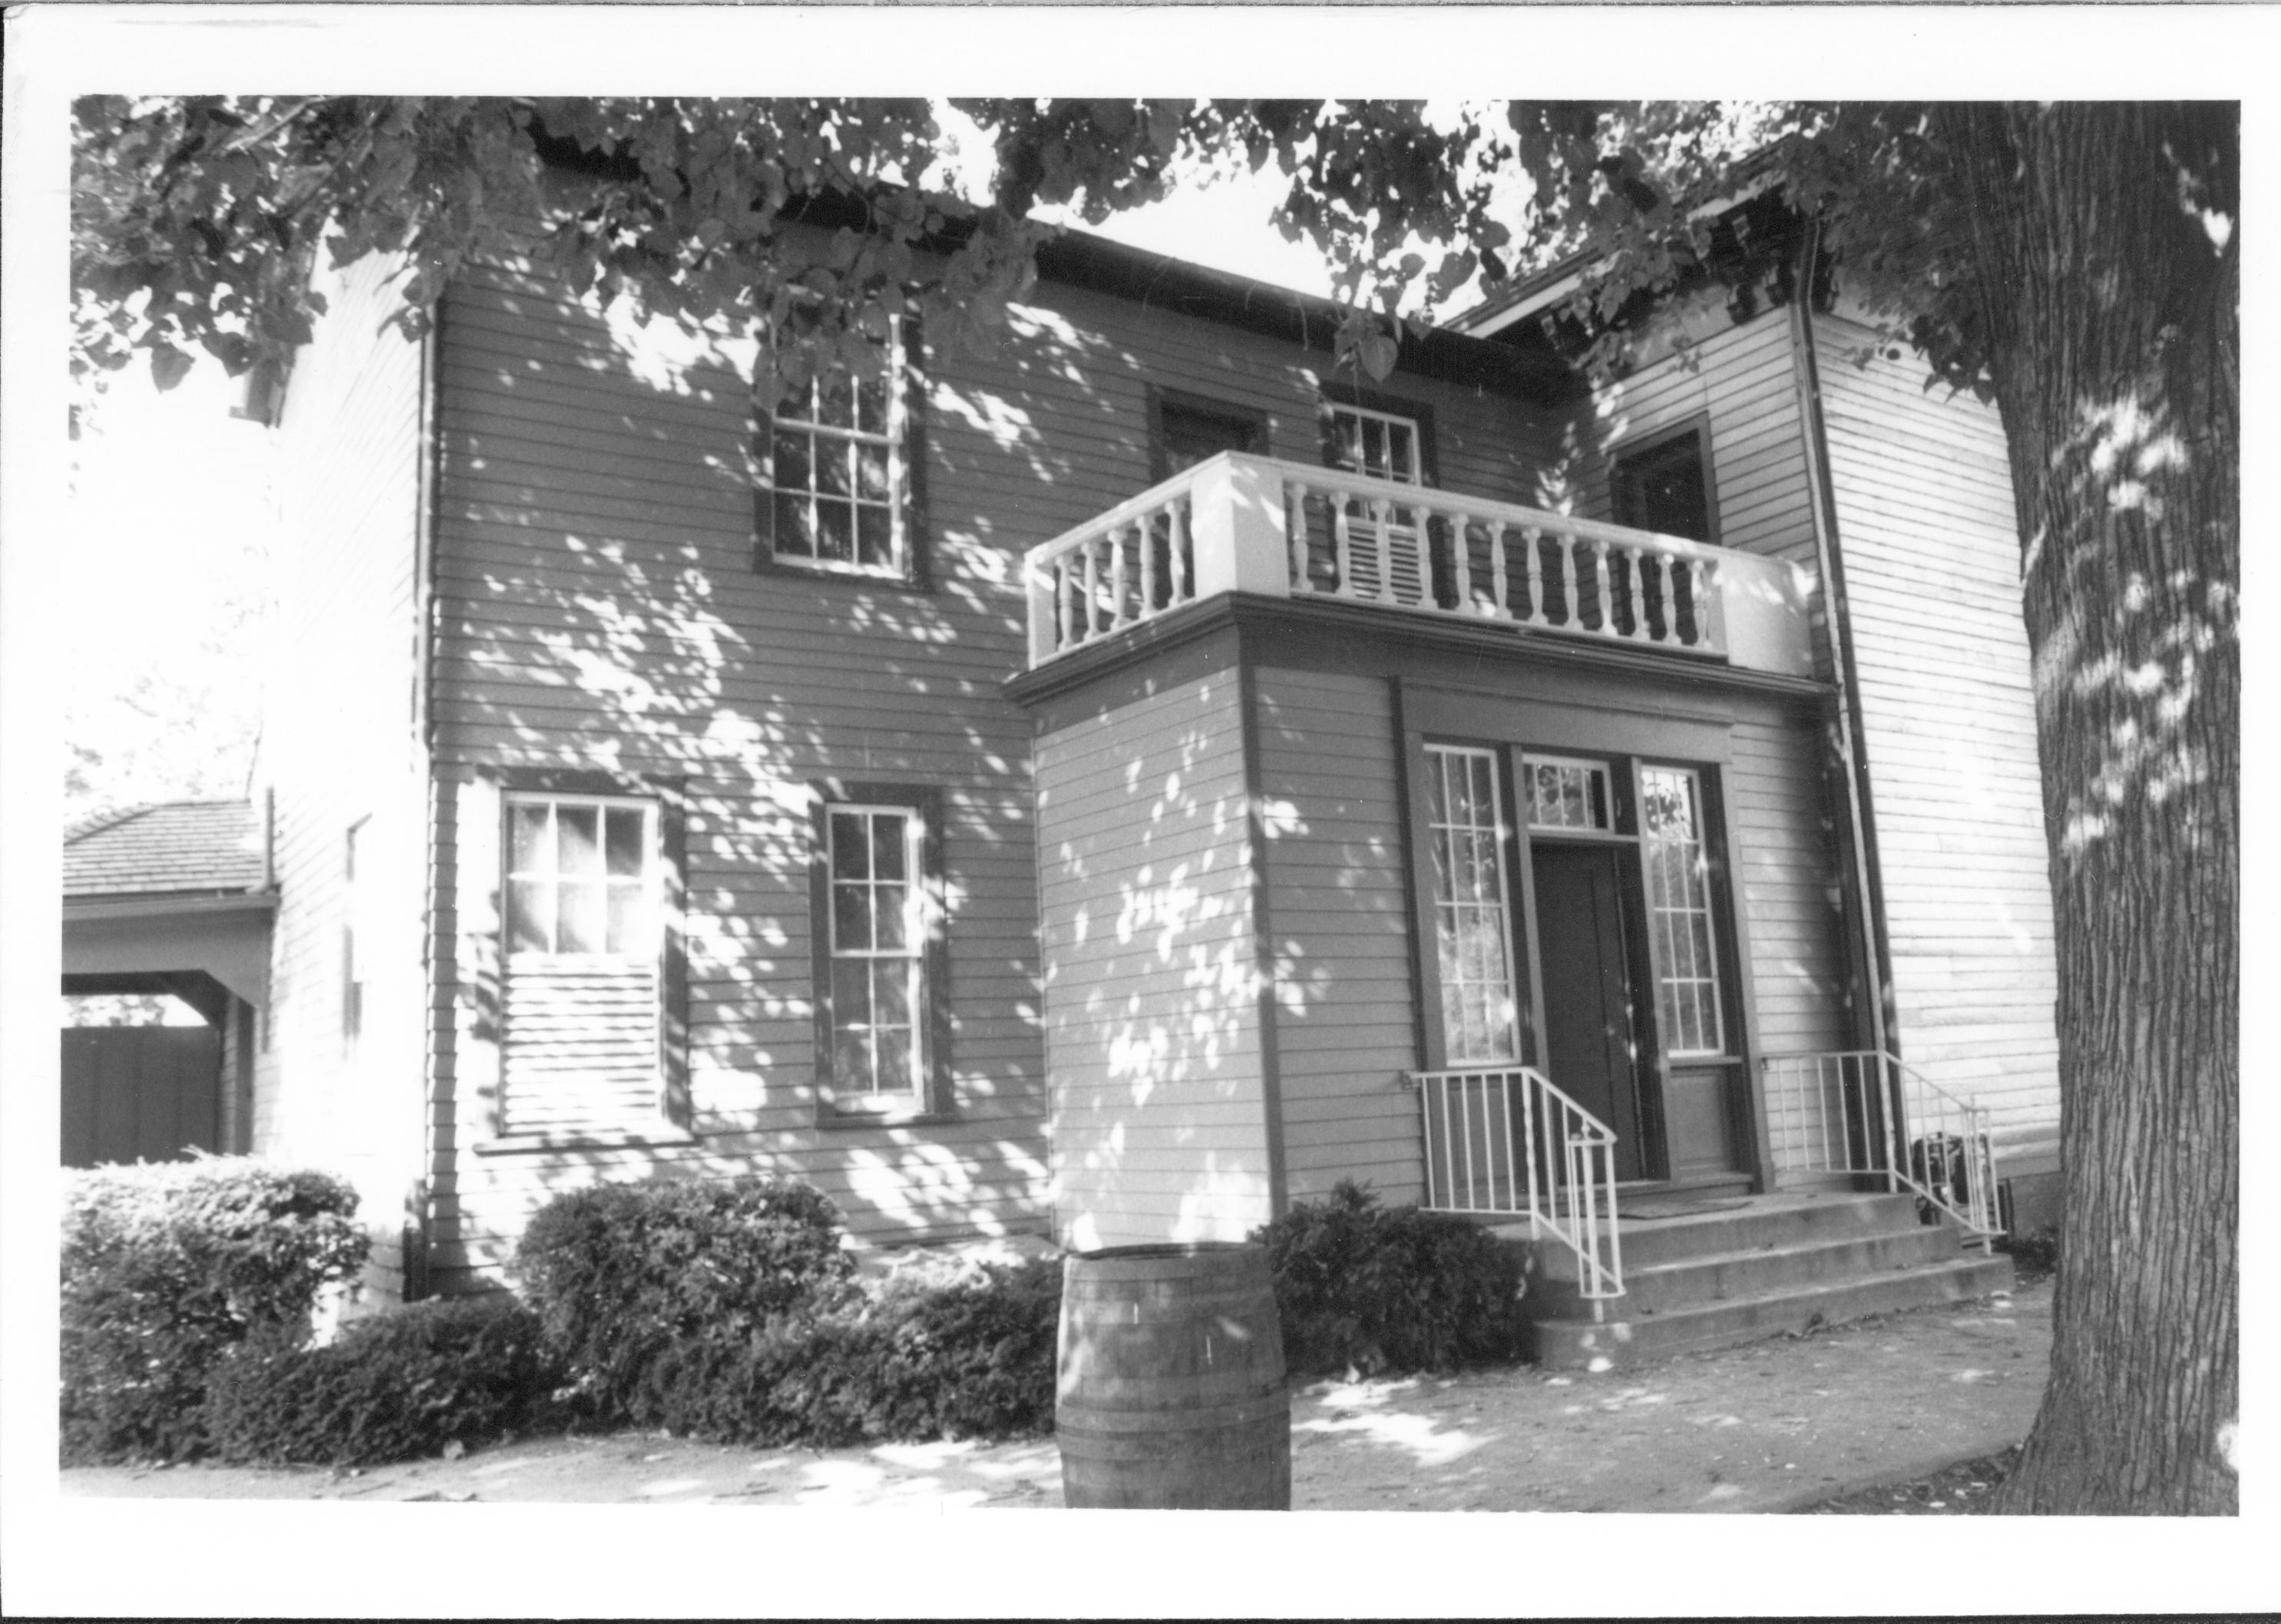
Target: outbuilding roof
point(197, 847)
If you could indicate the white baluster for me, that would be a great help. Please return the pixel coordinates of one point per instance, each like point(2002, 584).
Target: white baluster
point(1182, 562)
point(1570, 599)
point(1703, 597)
point(1092, 587)
point(1498, 584)
point(1295, 523)
point(1117, 554)
point(1462, 550)
point(1607, 626)
point(1342, 536)
point(1534, 539)
point(1148, 557)
point(1062, 599)
point(1382, 514)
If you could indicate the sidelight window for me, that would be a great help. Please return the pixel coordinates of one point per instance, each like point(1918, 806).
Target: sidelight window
point(1472, 921)
point(1674, 858)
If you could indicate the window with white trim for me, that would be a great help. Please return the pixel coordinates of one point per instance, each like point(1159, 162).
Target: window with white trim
point(1383, 445)
point(1472, 916)
point(580, 983)
point(1565, 793)
point(1685, 949)
point(878, 930)
point(834, 467)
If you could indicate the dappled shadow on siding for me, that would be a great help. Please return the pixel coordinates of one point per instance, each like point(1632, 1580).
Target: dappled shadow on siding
point(601, 610)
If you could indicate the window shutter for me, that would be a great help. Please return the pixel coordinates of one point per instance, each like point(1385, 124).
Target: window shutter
point(582, 1046)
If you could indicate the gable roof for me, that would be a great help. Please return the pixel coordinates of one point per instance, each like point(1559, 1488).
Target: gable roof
point(182, 847)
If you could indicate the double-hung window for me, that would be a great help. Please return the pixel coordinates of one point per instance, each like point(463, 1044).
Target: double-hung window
point(834, 469)
point(877, 963)
point(580, 991)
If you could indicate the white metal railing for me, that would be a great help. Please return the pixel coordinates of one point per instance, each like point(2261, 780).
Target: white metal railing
point(1256, 524)
point(1862, 1112)
point(1504, 1140)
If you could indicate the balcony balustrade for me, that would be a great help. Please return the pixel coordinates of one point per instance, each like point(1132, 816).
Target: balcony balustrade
point(1284, 530)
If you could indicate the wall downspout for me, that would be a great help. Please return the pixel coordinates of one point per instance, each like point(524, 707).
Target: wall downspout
point(1806, 369)
point(417, 1213)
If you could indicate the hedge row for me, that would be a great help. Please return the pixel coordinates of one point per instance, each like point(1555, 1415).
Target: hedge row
point(721, 1310)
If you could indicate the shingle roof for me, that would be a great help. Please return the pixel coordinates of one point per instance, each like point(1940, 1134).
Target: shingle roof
point(183, 846)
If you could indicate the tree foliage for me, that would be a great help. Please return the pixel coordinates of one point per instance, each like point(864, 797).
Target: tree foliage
point(2076, 265)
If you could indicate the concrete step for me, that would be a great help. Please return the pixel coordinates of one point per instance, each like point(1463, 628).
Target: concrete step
point(1786, 1219)
point(1717, 1277)
point(1628, 1337)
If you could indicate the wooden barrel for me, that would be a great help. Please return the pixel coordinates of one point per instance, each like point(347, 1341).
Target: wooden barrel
point(1171, 1394)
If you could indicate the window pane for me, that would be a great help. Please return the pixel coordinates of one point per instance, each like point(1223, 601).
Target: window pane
point(888, 835)
point(578, 828)
point(833, 476)
point(792, 460)
point(871, 405)
point(851, 993)
point(837, 394)
point(628, 918)
point(582, 921)
point(891, 990)
point(531, 916)
point(851, 1061)
point(894, 1048)
point(624, 840)
point(796, 535)
point(851, 918)
point(888, 914)
point(835, 532)
point(849, 848)
point(534, 850)
point(871, 482)
point(875, 536)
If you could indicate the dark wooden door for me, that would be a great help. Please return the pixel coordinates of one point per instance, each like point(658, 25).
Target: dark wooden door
point(1589, 1048)
point(144, 1093)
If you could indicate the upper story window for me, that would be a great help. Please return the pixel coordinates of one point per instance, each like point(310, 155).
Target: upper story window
point(1186, 429)
point(834, 468)
point(1381, 445)
point(1663, 483)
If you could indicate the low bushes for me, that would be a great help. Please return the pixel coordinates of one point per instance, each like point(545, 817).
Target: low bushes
point(619, 1274)
point(728, 1311)
point(909, 1362)
point(407, 1382)
point(1363, 1287)
point(166, 1269)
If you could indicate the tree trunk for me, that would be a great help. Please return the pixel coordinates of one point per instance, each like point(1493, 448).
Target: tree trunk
point(2105, 245)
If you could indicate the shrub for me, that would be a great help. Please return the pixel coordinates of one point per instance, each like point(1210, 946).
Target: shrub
point(905, 1361)
point(621, 1274)
point(400, 1384)
point(166, 1268)
point(1367, 1287)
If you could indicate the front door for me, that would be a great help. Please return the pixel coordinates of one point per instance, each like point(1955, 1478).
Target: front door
point(1590, 1050)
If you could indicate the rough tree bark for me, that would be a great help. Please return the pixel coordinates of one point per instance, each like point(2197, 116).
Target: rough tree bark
point(2104, 250)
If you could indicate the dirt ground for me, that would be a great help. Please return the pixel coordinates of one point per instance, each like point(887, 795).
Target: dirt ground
point(1774, 1426)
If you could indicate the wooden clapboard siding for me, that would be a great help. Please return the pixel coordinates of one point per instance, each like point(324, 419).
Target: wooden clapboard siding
point(1787, 881)
point(1930, 541)
point(1152, 1017)
point(1338, 908)
point(1741, 378)
point(339, 746)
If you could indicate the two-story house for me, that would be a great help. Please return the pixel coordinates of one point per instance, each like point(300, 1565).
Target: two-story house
point(1128, 782)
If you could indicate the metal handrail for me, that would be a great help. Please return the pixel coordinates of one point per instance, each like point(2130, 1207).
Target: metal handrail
point(1529, 1151)
point(1865, 1111)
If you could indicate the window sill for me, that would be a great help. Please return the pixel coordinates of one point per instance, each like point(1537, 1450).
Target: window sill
point(766, 564)
point(901, 1117)
point(662, 1137)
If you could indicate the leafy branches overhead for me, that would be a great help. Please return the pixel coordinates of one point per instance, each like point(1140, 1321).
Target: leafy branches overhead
point(197, 220)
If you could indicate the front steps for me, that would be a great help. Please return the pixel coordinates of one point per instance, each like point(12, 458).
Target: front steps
point(1775, 1264)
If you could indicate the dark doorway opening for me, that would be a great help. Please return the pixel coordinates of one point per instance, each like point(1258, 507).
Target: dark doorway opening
point(1591, 1046)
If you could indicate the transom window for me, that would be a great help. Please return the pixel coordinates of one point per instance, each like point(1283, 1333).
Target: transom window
point(1383, 445)
point(1679, 911)
point(1472, 916)
point(877, 953)
point(832, 457)
point(1565, 793)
